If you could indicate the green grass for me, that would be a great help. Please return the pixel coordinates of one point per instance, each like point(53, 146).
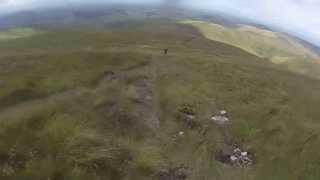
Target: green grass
point(106, 104)
point(17, 33)
point(278, 47)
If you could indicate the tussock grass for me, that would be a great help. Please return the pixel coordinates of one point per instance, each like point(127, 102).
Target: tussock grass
point(89, 123)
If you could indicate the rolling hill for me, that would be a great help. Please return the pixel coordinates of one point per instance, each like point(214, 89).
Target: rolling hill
point(104, 102)
point(280, 48)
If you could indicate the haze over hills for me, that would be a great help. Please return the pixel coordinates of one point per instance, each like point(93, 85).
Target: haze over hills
point(140, 93)
point(295, 54)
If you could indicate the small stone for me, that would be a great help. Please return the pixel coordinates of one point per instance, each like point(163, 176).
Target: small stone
point(244, 153)
point(181, 133)
point(247, 159)
point(223, 112)
point(233, 158)
point(189, 116)
point(220, 119)
point(237, 150)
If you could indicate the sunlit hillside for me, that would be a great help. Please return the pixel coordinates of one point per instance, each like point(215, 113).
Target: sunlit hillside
point(98, 103)
point(17, 33)
point(279, 48)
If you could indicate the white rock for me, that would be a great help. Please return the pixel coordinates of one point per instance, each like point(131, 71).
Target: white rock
point(237, 150)
point(247, 159)
point(181, 133)
point(244, 153)
point(220, 119)
point(233, 158)
point(223, 112)
point(191, 116)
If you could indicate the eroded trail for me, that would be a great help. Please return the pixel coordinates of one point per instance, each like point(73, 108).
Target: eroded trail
point(136, 84)
point(129, 110)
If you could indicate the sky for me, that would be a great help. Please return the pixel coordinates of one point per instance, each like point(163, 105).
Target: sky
point(300, 17)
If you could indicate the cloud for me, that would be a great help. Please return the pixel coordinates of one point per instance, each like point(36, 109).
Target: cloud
point(16, 5)
point(300, 17)
point(4, 1)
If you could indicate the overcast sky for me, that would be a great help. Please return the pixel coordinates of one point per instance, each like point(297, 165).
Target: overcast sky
point(301, 17)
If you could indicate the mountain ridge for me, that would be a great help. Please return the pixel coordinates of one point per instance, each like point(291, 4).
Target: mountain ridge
point(38, 17)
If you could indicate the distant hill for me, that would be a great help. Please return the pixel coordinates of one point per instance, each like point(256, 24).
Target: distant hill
point(106, 103)
point(89, 93)
point(297, 55)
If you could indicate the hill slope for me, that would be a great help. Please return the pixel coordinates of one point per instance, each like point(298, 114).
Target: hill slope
point(108, 104)
point(278, 47)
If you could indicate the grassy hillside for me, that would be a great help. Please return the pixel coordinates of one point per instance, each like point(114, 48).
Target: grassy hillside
point(279, 48)
point(16, 33)
point(108, 104)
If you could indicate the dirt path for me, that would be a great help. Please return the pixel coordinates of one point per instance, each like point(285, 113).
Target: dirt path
point(147, 108)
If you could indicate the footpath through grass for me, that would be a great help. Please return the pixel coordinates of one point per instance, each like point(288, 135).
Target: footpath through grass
point(108, 104)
